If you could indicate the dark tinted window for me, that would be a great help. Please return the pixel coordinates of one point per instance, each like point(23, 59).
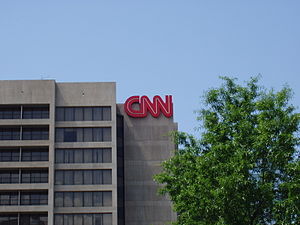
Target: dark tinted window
point(9, 198)
point(86, 155)
point(9, 155)
point(35, 154)
point(78, 177)
point(35, 133)
point(34, 176)
point(10, 133)
point(10, 112)
point(83, 113)
point(34, 198)
point(83, 219)
point(87, 134)
point(35, 112)
point(9, 176)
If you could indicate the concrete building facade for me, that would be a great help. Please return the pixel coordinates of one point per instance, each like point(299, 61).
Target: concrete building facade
point(69, 155)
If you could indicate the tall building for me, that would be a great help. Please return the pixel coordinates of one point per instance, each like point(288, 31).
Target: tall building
point(69, 155)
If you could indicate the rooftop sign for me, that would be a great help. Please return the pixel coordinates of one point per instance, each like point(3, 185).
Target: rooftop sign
point(145, 106)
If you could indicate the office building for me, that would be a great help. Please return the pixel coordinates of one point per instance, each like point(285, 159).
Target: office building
point(70, 155)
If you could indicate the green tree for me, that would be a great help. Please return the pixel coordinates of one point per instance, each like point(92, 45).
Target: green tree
point(245, 168)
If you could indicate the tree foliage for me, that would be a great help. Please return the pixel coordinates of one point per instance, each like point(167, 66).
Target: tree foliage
point(245, 169)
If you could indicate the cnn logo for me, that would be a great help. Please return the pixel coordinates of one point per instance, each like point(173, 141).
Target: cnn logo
point(145, 106)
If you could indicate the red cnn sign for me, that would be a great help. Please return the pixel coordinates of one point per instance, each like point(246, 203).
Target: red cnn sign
point(155, 108)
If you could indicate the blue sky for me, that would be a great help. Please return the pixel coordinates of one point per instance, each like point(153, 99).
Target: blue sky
point(153, 47)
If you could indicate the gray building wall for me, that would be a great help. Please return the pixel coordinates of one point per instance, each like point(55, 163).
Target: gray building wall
point(146, 145)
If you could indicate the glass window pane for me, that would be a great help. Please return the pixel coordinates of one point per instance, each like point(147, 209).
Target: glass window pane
point(68, 199)
point(68, 219)
point(78, 219)
point(97, 155)
point(88, 176)
point(97, 177)
point(88, 114)
point(78, 177)
point(87, 199)
point(107, 219)
point(70, 135)
point(107, 155)
point(59, 219)
point(59, 177)
point(97, 113)
point(88, 219)
point(59, 197)
point(69, 177)
point(78, 114)
point(106, 113)
point(97, 198)
point(59, 114)
point(79, 134)
point(107, 177)
point(107, 198)
point(78, 199)
point(88, 155)
point(88, 134)
point(78, 156)
point(97, 134)
point(59, 156)
point(59, 134)
point(69, 114)
point(69, 156)
point(106, 134)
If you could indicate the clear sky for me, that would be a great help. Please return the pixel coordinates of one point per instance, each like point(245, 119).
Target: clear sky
point(153, 47)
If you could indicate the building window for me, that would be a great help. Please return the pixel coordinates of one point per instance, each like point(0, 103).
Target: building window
point(9, 155)
point(27, 176)
point(35, 154)
point(83, 219)
point(28, 112)
point(95, 134)
point(83, 199)
point(83, 113)
point(26, 198)
point(28, 133)
point(36, 112)
point(33, 219)
point(35, 133)
point(9, 198)
point(10, 112)
point(34, 198)
point(8, 219)
point(85, 155)
point(9, 133)
point(79, 177)
point(34, 176)
point(24, 154)
point(9, 176)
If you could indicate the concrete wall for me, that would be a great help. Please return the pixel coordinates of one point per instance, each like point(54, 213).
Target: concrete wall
point(146, 145)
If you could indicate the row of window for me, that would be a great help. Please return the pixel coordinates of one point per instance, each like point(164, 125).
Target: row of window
point(79, 177)
point(24, 219)
point(85, 155)
point(24, 198)
point(83, 219)
point(83, 199)
point(17, 176)
point(24, 112)
point(24, 133)
point(86, 134)
point(24, 154)
point(83, 114)
point(62, 113)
